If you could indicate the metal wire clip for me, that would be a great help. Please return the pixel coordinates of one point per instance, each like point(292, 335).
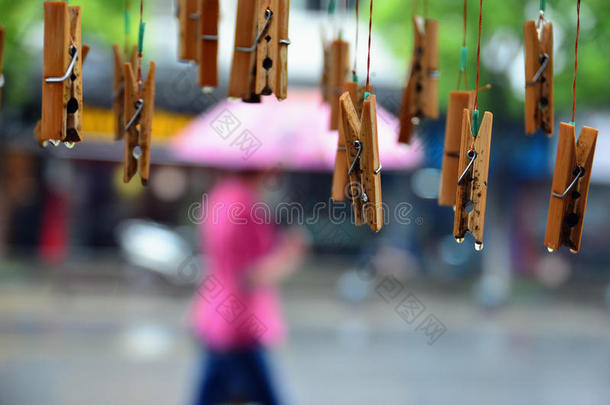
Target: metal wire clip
point(580, 171)
point(74, 53)
point(472, 155)
point(139, 107)
point(268, 17)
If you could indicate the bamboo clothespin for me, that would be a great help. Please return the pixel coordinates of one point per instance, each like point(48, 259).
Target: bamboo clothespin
point(338, 70)
point(570, 188)
point(188, 18)
point(458, 101)
point(208, 43)
point(139, 108)
point(539, 76)
point(62, 92)
point(356, 94)
point(420, 98)
point(260, 57)
point(118, 95)
point(363, 160)
point(572, 177)
point(471, 197)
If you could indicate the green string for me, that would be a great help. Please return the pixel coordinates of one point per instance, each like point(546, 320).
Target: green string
point(366, 95)
point(464, 59)
point(543, 5)
point(354, 77)
point(332, 6)
point(475, 123)
point(141, 37)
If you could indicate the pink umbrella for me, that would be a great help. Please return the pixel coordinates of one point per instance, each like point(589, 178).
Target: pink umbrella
point(292, 134)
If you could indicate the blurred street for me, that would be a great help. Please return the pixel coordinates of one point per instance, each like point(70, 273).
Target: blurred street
point(123, 339)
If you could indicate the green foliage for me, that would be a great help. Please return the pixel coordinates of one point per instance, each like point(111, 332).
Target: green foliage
point(393, 19)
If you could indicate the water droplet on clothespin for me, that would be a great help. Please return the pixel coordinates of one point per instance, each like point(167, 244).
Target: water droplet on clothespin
point(55, 142)
point(478, 246)
point(44, 144)
point(207, 90)
point(69, 145)
point(550, 250)
point(459, 240)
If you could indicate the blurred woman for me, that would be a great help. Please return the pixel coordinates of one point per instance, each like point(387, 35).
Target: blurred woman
point(236, 313)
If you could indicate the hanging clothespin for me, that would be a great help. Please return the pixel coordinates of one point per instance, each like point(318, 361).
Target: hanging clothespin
point(458, 102)
point(338, 70)
point(539, 76)
point(139, 111)
point(324, 80)
point(62, 92)
point(356, 94)
point(473, 169)
point(1, 63)
point(260, 57)
point(188, 19)
point(208, 43)
point(570, 188)
point(118, 95)
point(420, 98)
point(364, 168)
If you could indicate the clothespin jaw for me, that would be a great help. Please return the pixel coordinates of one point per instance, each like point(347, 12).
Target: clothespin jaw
point(539, 110)
point(1, 62)
point(272, 50)
point(338, 70)
point(208, 43)
point(188, 19)
point(364, 169)
point(62, 93)
point(260, 58)
point(471, 196)
point(420, 98)
point(118, 95)
point(570, 190)
point(139, 111)
point(340, 176)
point(458, 101)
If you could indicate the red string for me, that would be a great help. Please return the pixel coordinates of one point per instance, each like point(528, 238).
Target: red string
point(368, 61)
point(476, 97)
point(575, 61)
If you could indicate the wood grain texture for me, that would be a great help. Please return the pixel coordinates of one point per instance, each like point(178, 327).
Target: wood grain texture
point(458, 101)
point(352, 131)
point(73, 99)
point(267, 51)
point(189, 27)
point(130, 163)
point(430, 93)
point(566, 215)
point(209, 12)
point(241, 82)
point(56, 58)
point(473, 190)
point(338, 53)
point(539, 109)
point(118, 90)
point(146, 123)
point(281, 88)
point(373, 208)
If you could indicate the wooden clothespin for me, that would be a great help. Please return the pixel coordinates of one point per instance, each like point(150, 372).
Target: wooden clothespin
point(539, 76)
point(356, 94)
point(338, 70)
point(420, 98)
point(62, 92)
point(570, 188)
point(118, 95)
point(139, 111)
point(471, 196)
point(363, 160)
point(188, 18)
point(260, 57)
point(458, 101)
point(208, 43)
point(1, 62)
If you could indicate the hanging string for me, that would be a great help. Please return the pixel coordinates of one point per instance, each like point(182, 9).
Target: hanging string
point(543, 5)
point(425, 2)
point(368, 60)
point(464, 52)
point(475, 111)
point(575, 62)
point(140, 46)
point(355, 69)
point(127, 27)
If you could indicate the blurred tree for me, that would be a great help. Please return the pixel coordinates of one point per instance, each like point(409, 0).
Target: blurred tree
point(502, 49)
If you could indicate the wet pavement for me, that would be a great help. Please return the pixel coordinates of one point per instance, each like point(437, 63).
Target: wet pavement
point(107, 344)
